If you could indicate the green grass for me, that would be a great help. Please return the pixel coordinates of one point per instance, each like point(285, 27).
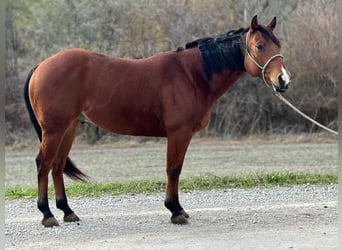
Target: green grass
point(188, 184)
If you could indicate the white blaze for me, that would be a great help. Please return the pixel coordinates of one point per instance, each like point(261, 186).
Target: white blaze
point(285, 76)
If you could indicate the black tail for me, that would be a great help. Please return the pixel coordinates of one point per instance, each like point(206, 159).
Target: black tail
point(70, 169)
point(29, 107)
point(73, 172)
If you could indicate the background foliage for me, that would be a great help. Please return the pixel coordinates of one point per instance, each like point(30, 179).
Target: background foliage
point(137, 29)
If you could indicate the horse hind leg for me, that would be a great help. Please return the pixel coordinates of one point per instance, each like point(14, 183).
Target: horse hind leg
point(58, 170)
point(44, 160)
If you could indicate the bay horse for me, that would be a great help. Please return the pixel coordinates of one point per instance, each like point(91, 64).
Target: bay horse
point(170, 94)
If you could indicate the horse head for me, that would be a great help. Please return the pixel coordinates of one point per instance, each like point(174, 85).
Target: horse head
point(262, 56)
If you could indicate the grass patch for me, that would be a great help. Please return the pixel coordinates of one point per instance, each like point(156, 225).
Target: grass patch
point(188, 184)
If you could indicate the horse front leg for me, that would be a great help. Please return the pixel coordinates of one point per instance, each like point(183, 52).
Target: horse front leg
point(176, 148)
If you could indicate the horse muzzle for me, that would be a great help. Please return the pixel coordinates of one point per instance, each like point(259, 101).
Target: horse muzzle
point(283, 81)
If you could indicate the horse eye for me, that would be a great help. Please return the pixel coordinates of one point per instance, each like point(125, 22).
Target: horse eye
point(260, 46)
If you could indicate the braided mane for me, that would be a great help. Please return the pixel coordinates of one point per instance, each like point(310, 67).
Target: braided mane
point(224, 50)
point(219, 51)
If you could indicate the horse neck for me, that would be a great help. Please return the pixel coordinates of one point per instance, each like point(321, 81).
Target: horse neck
point(222, 61)
point(220, 83)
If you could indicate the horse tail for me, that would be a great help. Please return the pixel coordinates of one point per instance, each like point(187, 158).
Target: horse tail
point(70, 169)
point(29, 106)
point(73, 172)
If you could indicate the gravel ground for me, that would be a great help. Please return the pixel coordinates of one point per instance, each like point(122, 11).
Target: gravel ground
point(300, 217)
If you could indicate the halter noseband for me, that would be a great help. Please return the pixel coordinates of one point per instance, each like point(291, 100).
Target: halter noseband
point(263, 68)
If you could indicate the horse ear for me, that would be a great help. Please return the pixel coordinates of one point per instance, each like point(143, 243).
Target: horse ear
point(254, 23)
point(272, 24)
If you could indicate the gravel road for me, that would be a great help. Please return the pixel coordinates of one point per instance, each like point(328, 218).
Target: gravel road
point(300, 217)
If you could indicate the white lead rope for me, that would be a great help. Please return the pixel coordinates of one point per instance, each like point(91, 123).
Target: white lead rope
point(302, 114)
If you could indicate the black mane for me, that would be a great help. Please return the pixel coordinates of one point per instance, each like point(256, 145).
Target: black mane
point(219, 51)
point(224, 50)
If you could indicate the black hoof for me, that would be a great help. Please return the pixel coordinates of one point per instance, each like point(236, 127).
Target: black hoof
point(50, 222)
point(179, 219)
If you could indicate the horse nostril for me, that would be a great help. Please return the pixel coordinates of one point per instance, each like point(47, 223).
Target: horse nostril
point(282, 82)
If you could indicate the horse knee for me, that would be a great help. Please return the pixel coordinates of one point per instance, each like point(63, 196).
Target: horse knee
point(43, 165)
point(174, 171)
point(39, 162)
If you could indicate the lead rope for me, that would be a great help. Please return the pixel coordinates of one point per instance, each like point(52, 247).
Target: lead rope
point(277, 94)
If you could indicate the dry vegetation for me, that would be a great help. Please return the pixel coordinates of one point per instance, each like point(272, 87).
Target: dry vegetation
point(137, 29)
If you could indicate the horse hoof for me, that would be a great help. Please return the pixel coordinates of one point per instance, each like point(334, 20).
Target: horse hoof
point(71, 218)
point(50, 222)
point(179, 219)
point(186, 215)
